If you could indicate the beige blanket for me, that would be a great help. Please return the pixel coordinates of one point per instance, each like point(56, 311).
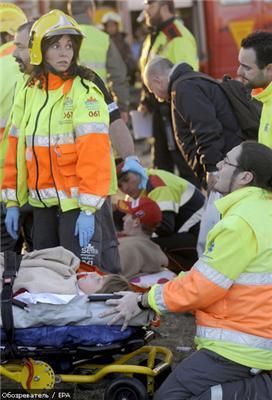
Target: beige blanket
point(49, 270)
point(139, 255)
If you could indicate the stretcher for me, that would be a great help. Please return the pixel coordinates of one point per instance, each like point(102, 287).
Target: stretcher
point(39, 356)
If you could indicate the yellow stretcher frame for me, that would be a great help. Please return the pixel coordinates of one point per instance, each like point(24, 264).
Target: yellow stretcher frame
point(35, 374)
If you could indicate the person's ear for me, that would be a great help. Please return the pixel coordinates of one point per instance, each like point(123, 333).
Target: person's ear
point(246, 177)
point(269, 71)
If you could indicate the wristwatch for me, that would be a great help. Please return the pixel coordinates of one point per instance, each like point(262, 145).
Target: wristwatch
point(140, 302)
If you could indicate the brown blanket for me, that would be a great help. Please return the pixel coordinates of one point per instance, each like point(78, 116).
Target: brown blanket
point(49, 270)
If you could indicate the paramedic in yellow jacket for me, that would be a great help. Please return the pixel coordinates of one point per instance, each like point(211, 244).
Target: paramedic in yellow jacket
point(170, 39)
point(255, 58)
point(229, 287)
point(59, 150)
point(11, 17)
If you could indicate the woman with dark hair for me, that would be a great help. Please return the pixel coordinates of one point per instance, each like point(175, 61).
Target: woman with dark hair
point(59, 150)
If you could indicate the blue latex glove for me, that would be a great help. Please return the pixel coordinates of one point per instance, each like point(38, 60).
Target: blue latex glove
point(132, 164)
point(84, 228)
point(12, 221)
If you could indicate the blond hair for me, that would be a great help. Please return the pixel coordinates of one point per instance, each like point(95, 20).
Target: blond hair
point(114, 283)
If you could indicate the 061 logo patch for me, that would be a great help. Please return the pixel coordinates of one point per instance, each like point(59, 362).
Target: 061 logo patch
point(94, 113)
point(68, 114)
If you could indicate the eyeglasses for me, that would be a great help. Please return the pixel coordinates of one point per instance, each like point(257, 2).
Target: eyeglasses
point(226, 161)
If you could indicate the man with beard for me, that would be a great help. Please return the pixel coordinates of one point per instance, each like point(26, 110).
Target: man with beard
point(255, 58)
point(21, 51)
point(228, 289)
point(11, 17)
point(168, 38)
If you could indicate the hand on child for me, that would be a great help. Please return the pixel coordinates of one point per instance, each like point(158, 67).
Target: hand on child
point(126, 308)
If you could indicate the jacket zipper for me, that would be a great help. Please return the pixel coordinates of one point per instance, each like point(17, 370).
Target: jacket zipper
point(33, 147)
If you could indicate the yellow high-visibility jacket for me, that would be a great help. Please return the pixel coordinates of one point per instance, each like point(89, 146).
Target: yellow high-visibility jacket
point(230, 286)
point(265, 129)
point(59, 147)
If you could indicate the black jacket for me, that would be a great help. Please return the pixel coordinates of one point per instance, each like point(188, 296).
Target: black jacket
point(204, 124)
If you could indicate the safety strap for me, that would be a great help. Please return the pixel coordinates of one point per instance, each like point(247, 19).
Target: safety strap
point(11, 265)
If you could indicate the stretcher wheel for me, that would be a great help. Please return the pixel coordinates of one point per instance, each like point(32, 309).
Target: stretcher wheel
point(125, 389)
point(37, 375)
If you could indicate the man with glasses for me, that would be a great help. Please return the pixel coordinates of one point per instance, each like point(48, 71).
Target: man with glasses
point(228, 289)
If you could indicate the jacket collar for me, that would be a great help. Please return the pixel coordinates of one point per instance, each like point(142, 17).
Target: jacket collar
point(177, 71)
point(55, 82)
point(265, 95)
point(225, 204)
point(7, 49)
point(164, 24)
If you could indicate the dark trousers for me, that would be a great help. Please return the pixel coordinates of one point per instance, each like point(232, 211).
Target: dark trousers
point(198, 373)
point(52, 228)
point(102, 251)
point(25, 231)
point(163, 157)
point(257, 387)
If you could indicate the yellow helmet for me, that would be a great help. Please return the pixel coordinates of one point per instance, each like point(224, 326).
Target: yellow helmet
point(53, 23)
point(11, 17)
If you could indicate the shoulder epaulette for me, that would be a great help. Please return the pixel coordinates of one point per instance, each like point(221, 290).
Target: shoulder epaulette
point(171, 31)
point(153, 182)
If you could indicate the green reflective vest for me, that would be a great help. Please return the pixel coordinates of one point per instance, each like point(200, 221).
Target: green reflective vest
point(173, 193)
point(265, 129)
point(93, 51)
point(175, 42)
point(9, 75)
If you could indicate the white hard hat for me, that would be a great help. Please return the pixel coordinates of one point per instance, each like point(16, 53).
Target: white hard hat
point(111, 16)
